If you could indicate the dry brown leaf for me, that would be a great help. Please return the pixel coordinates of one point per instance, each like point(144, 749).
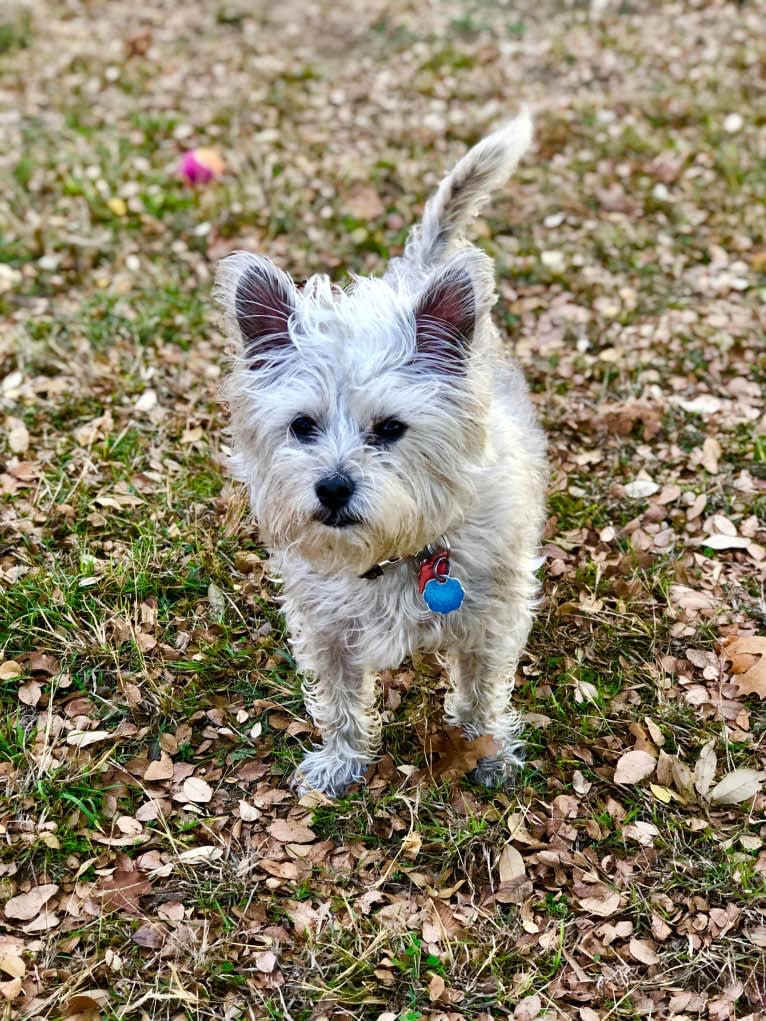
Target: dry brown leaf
point(150, 935)
point(86, 1006)
point(171, 911)
point(738, 786)
point(364, 203)
point(26, 905)
point(683, 779)
point(721, 541)
point(663, 794)
point(510, 864)
point(290, 832)
point(668, 494)
point(622, 418)
point(443, 922)
point(411, 845)
point(660, 928)
point(159, 769)
point(642, 832)
point(639, 489)
point(601, 907)
point(686, 598)
point(520, 834)
point(248, 812)
point(456, 754)
point(747, 655)
point(122, 890)
point(84, 738)
point(30, 693)
point(705, 767)
point(711, 452)
point(128, 825)
point(436, 988)
point(197, 790)
point(589, 1014)
point(266, 961)
point(10, 669)
point(11, 989)
point(206, 854)
point(145, 642)
point(46, 920)
point(18, 435)
point(633, 767)
point(304, 917)
point(12, 965)
point(642, 950)
point(528, 1008)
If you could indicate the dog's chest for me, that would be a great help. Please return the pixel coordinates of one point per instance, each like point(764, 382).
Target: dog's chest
point(383, 619)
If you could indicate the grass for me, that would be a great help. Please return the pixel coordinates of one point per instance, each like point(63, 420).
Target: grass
point(134, 598)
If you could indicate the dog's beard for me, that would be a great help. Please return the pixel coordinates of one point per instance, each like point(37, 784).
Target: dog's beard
point(386, 518)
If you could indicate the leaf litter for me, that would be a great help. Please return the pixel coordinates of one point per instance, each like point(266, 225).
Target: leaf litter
point(154, 861)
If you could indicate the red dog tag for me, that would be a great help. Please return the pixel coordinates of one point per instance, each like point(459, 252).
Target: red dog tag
point(435, 566)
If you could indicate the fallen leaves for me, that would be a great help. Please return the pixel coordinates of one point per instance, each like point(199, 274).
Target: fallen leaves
point(747, 655)
point(197, 790)
point(17, 435)
point(738, 786)
point(453, 755)
point(27, 905)
point(85, 738)
point(625, 843)
point(705, 768)
point(644, 951)
point(641, 488)
point(290, 832)
point(633, 767)
point(123, 889)
point(159, 769)
point(604, 907)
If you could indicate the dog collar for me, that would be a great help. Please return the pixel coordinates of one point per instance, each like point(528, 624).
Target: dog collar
point(441, 593)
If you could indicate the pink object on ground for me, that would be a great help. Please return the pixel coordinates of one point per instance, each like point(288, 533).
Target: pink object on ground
point(200, 166)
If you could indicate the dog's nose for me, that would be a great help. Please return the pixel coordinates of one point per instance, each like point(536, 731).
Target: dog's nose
point(334, 491)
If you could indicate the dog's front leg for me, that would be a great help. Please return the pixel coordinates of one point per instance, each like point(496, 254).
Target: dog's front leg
point(340, 696)
point(481, 672)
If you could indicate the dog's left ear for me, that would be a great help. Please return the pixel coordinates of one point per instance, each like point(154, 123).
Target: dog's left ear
point(447, 312)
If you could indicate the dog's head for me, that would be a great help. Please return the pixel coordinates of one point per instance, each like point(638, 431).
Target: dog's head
point(358, 415)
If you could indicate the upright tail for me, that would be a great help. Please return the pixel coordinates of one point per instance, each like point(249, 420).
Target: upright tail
point(464, 191)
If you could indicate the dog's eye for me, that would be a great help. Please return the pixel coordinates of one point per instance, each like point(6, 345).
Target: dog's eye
point(303, 428)
point(388, 431)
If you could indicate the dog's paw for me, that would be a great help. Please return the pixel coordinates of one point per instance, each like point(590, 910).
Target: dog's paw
point(494, 771)
point(499, 769)
point(328, 772)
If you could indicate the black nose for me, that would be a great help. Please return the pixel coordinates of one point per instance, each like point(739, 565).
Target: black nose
point(334, 491)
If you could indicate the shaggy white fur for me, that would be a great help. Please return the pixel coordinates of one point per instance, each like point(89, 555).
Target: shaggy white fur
point(366, 423)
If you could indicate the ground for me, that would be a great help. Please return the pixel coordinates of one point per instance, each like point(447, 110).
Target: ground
point(154, 863)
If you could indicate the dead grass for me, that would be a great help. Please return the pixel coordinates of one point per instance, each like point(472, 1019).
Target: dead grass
point(151, 711)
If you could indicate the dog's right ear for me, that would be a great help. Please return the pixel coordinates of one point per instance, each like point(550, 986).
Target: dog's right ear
point(261, 299)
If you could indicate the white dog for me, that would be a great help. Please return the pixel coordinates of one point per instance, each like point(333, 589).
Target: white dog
point(396, 471)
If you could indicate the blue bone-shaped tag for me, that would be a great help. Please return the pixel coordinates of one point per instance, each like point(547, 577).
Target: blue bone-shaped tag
point(443, 595)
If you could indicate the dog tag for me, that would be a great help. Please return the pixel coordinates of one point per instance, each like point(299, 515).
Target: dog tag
point(443, 595)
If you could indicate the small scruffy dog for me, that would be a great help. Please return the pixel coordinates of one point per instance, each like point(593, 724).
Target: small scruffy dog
point(396, 471)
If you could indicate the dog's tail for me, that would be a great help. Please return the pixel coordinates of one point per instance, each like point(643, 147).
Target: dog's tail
point(464, 191)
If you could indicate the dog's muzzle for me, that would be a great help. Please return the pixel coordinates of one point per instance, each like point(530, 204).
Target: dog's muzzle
point(334, 493)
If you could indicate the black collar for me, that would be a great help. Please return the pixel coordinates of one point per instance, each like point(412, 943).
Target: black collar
point(440, 545)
